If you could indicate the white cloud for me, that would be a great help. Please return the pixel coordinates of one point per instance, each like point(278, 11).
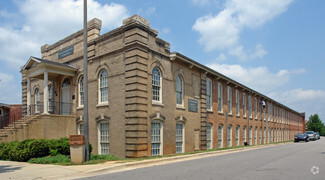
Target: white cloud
point(47, 21)
point(39, 22)
point(7, 85)
point(221, 57)
point(222, 31)
point(309, 100)
point(258, 78)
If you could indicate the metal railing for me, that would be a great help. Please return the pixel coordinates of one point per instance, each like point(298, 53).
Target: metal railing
point(53, 108)
point(10, 118)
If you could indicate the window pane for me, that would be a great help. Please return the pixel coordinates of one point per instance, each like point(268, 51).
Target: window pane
point(104, 137)
point(103, 86)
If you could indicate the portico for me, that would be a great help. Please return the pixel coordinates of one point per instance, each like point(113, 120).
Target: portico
point(37, 68)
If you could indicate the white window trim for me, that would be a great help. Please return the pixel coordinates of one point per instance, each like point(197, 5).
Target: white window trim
point(220, 136)
point(237, 135)
point(161, 148)
point(237, 104)
point(210, 90)
point(78, 127)
point(1, 112)
point(98, 132)
point(229, 100)
point(160, 87)
point(182, 91)
point(256, 105)
point(250, 109)
point(211, 136)
point(220, 98)
point(79, 93)
point(183, 137)
point(229, 134)
point(244, 105)
point(37, 96)
point(99, 90)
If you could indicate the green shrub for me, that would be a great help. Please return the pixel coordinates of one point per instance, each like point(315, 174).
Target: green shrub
point(39, 148)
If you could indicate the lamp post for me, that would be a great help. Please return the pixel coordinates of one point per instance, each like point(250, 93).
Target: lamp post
point(85, 59)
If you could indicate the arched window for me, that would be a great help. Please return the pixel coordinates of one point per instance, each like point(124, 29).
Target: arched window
point(1, 112)
point(179, 91)
point(103, 135)
point(156, 85)
point(81, 90)
point(81, 128)
point(237, 135)
point(229, 134)
point(250, 106)
point(37, 101)
point(255, 135)
point(220, 136)
point(209, 136)
point(260, 135)
point(179, 137)
point(156, 138)
point(103, 86)
point(66, 82)
point(250, 135)
point(244, 134)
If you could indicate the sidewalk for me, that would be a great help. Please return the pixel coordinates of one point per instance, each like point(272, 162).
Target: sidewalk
point(23, 170)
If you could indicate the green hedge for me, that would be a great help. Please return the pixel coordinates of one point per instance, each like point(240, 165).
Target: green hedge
point(34, 148)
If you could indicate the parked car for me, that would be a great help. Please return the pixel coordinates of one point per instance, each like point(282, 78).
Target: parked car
point(301, 137)
point(312, 135)
point(317, 135)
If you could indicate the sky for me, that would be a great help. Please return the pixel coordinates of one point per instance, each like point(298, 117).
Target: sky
point(276, 47)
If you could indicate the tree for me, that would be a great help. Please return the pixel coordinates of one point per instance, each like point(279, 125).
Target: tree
point(315, 124)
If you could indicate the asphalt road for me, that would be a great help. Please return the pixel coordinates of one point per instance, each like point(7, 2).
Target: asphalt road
point(301, 160)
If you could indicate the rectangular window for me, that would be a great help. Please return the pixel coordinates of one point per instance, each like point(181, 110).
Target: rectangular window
point(209, 136)
point(244, 105)
point(249, 106)
point(156, 139)
point(104, 137)
point(209, 94)
point(220, 103)
point(237, 103)
point(229, 99)
point(179, 138)
point(80, 128)
point(255, 108)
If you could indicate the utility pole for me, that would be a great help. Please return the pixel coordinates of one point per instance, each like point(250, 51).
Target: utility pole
point(86, 133)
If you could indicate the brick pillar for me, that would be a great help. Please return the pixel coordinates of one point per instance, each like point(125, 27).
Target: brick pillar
point(204, 115)
point(136, 93)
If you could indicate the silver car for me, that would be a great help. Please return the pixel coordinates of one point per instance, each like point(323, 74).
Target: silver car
point(317, 135)
point(312, 135)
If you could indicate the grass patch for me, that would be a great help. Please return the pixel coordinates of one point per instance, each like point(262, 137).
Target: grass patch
point(65, 160)
point(58, 159)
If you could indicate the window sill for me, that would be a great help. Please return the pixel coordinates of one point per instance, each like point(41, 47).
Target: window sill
point(237, 115)
point(80, 107)
point(230, 114)
point(155, 103)
point(180, 107)
point(220, 113)
point(102, 105)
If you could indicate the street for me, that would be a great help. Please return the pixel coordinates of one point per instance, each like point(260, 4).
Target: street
point(290, 161)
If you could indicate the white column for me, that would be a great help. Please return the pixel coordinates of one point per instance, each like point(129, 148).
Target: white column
point(46, 93)
point(28, 97)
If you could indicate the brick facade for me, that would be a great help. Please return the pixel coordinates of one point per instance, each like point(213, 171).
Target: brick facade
point(129, 54)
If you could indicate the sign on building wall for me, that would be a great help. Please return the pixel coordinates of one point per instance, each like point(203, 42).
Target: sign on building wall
point(65, 52)
point(192, 105)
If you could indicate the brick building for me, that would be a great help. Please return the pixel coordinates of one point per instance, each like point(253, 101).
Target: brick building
point(143, 99)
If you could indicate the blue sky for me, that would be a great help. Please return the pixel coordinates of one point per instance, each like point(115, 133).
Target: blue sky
point(273, 46)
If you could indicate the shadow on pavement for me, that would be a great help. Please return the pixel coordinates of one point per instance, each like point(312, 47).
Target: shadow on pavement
point(8, 168)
